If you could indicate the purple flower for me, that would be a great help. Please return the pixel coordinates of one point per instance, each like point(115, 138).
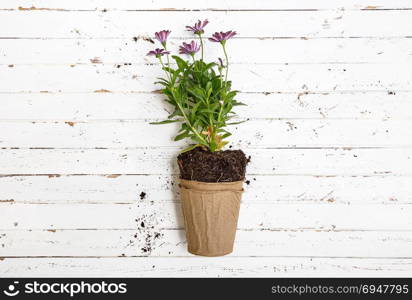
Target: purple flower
point(222, 37)
point(190, 49)
point(161, 36)
point(158, 52)
point(198, 28)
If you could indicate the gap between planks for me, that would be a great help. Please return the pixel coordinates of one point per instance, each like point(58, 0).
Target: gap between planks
point(297, 92)
point(180, 148)
point(175, 174)
point(149, 120)
point(185, 38)
point(104, 10)
point(53, 230)
point(105, 64)
point(196, 257)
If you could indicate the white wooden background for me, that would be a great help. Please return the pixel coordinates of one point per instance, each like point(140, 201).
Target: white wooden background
point(328, 84)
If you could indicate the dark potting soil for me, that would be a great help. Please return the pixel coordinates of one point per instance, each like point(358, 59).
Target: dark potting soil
point(203, 165)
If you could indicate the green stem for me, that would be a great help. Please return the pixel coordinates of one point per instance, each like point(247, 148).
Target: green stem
point(221, 105)
point(167, 56)
point(164, 68)
point(212, 131)
point(180, 107)
point(194, 62)
point(201, 44)
point(220, 113)
point(190, 125)
point(220, 76)
point(227, 61)
point(212, 139)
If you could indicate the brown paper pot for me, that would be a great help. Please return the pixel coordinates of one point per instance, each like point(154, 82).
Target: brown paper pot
point(210, 212)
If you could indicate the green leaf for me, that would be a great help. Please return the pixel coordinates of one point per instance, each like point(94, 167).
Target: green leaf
point(205, 110)
point(203, 118)
point(231, 94)
point(175, 113)
point(166, 84)
point(235, 123)
point(197, 93)
point(181, 136)
point(165, 122)
point(191, 147)
point(170, 70)
point(227, 134)
point(162, 79)
point(180, 62)
point(210, 65)
point(195, 107)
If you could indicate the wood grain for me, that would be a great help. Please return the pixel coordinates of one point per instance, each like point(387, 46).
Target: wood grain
point(145, 5)
point(265, 78)
point(167, 214)
point(128, 24)
point(254, 133)
point(314, 162)
point(276, 51)
point(383, 105)
point(172, 243)
point(126, 189)
point(207, 267)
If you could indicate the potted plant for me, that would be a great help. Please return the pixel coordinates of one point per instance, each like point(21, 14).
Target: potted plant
point(211, 179)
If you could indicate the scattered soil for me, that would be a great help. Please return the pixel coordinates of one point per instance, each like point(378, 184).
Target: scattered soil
point(142, 195)
point(203, 165)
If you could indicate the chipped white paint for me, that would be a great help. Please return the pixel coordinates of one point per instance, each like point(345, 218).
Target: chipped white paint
point(248, 77)
point(88, 189)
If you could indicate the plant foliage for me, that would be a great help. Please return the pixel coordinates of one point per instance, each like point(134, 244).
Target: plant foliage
point(200, 93)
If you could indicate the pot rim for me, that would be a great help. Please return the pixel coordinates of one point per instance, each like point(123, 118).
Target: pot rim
point(211, 183)
point(211, 186)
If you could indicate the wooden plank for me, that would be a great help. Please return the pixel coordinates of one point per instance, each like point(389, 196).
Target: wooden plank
point(172, 243)
point(275, 51)
point(257, 133)
point(127, 24)
point(29, 5)
point(316, 162)
point(280, 189)
point(266, 216)
point(206, 267)
point(131, 106)
point(246, 78)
